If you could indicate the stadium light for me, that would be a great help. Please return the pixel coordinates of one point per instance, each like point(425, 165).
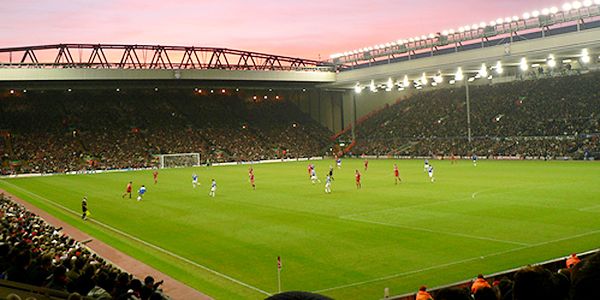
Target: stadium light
point(585, 56)
point(372, 87)
point(515, 18)
point(431, 35)
point(68, 90)
point(576, 5)
point(452, 81)
point(467, 28)
point(459, 75)
point(551, 62)
point(535, 14)
point(461, 29)
point(483, 72)
point(471, 79)
point(567, 6)
point(597, 2)
point(390, 84)
point(482, 25)
point(405, 82)
point(587, 3)
point(526, 16)
point(424, 79)
point(499, 21)
point(553, 10)
point(451, 31)
point(357, 88)
point(12, 91)
point(265, 97)
point(117, 90)
point(545, 11)
point(438, 78)
point(507, 20)
point(523, 64)
point(475, 26)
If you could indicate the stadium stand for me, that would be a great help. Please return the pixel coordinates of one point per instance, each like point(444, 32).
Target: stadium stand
point(36, 254)
point(64, 131)
point(554, 117)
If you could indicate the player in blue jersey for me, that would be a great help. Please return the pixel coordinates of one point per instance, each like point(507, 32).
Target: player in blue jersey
point(141, 193)
point(313, 176)
point(213, 188)
point(474, 157)
point(430, 172)
point(339, 162)
point(328, 185)
point(194, 180)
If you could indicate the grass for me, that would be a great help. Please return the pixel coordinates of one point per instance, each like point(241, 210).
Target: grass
point(350, 244)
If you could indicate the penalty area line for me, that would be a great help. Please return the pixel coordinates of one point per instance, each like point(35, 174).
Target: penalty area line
point(157, 248)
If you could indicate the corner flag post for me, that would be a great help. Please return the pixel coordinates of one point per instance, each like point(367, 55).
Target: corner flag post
point(279, 274)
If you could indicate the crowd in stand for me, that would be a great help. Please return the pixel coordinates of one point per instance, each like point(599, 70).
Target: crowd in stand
point(36, 253)
point(60, 131)
point(545, 117)
point(576, 279)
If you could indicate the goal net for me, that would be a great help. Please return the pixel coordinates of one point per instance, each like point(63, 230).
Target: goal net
point(178, 160)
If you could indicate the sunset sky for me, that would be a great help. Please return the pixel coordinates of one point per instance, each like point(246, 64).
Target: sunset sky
point(303, 28)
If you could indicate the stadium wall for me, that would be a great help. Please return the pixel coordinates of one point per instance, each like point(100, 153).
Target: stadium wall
point(326, 107)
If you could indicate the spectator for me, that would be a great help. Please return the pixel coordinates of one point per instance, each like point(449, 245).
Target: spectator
point(422, 294)
point(479, 283)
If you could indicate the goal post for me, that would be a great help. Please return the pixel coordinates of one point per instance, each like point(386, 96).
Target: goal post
point(178, 160)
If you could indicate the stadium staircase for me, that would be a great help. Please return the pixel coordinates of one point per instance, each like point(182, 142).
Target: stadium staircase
point(405, 147)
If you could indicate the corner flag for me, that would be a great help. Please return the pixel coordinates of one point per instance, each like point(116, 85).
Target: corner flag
point(279, 265)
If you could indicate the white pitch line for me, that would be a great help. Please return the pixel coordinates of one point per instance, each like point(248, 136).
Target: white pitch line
point(440, 232)
point(589, 208)
point(127, 235)
point(457, 262)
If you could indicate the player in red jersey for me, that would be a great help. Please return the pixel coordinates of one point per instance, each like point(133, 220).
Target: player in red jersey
point(357, 176)
point(127, 190)
point(251, 175)
point(366, 164)
point(155, 174)
point(310, 168)
point(452, 159)
point(396, 174)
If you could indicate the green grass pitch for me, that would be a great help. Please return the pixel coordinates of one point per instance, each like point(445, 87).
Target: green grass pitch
point(350, 244)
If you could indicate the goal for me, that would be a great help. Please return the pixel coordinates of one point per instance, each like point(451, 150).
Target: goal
point(178, 160)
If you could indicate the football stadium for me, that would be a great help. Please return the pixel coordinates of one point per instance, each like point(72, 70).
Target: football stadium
point(459, 164)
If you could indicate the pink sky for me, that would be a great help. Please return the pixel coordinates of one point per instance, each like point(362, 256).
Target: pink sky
point(303, 28)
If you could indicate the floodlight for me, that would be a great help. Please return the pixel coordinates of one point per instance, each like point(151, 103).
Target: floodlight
point(567, 6)
point(507, 20)
point(576, 5)
point(388, 45)
point(445, 32)
point(451, 31)
point(499, 21)
point(535, 14)
point(400, 42)
point(587, 3)
point(493, 23)
point(13, 91)
point(483, 72)
point(393, 44)
point(523, 64)
point(584, 52)
point(585, 59)
point(424, 79)
point(551, 62)
point(117, 90)
point(405, 82)
point(357, 88)
point(417, 38)
point(390, 83)
point(372, 86)
point(376, 47)
point(467, 28)
point(452, 81)
point(515, 18)
point(475, 26)
point(597, 2)
point(482, 24)
point(265, 97)
point(423, 37)
point(459, 75)
point(553, 10)
point(438, 78)
point(381, 46)
point(431, 35)
point(370, 48)
point(461, 29)
point(526, 16)
point(545, 11)
point(434, 83)
point(471, 79)
point(411, 40)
